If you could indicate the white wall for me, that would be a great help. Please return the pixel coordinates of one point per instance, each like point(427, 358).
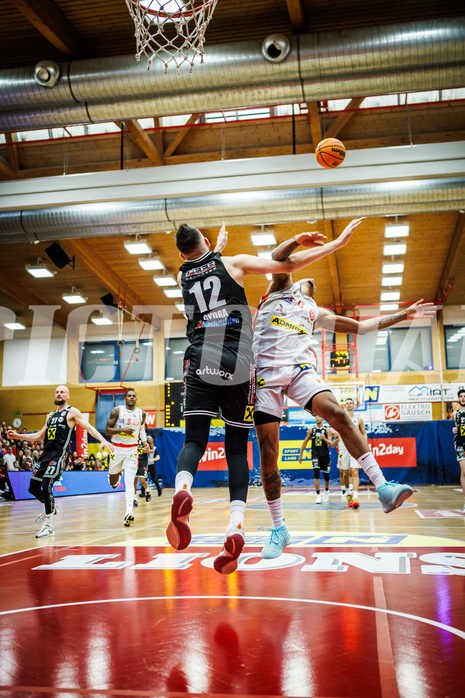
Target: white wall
point(42, 361)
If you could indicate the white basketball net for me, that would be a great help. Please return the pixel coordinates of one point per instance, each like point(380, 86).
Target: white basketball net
point(172, 30)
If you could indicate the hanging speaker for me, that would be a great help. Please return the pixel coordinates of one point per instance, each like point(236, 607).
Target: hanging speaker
point(110, 303)
point(58, 255)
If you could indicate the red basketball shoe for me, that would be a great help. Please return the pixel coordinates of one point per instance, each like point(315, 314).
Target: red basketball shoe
point(178, 531)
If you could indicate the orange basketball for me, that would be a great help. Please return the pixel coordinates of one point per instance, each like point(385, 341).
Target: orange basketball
point(330, 152)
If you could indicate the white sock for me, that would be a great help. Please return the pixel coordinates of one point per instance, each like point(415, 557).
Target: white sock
point(355, 493)
point(372, 469)
point(276, 512)
point(351, 487)
point(237, 508)
point(129, 474)
point(184, 480)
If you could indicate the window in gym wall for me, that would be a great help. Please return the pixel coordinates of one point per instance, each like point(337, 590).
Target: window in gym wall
point(106, 362)
point(174, 354)
point(395, 349)
point(455, 346)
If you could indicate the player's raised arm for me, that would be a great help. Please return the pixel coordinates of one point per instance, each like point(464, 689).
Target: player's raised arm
point(338, 323)
point(243, 264)
point(222, 239)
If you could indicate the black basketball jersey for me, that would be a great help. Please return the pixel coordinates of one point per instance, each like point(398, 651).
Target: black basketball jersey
point(143, 457)
point(319, 447)
point(219, 321)
point(459, 437)
point(57, 435)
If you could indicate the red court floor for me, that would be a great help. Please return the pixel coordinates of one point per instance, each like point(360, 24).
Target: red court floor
point(340, 613)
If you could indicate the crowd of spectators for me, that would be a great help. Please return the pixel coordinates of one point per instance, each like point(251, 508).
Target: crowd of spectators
point(24, 455)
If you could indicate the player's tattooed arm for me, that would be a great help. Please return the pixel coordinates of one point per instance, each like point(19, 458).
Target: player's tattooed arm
point(339, 323)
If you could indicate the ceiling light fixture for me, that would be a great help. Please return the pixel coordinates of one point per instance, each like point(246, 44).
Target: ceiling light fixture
point(390, 296)
point(266, 237)
point(180, 307)
point(14, 325)
point(101, 321)
point(173, 292)
point(165, 280)
point(137, 246)
point(395, 248)
point(391, 281)
point(151, 264)
point(388, 307)
point(397, 230)
point(74, 297)
point(394, 268)
point(264, 254)
point(39, 270)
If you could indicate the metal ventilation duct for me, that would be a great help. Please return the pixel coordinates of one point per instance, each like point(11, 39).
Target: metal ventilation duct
point(328, 65)
point(277, 206)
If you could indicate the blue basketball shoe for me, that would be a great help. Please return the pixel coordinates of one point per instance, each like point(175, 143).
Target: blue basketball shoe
point(279, 538)
point(392, 495)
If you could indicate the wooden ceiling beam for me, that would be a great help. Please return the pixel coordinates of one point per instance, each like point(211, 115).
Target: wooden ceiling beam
point(12, 151)
point(314, 117)
point(6, 170)
point(336, 127)
point(454, 255)
point(296, 11)
point(10, 287)
point(49, 20)
point(333, 266)
point(182, 133)
point(143, 140)
point(103, 272)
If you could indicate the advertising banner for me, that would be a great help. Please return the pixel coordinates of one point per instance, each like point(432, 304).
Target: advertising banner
point(415, 412)
point(214, 457)
point(70, 483)
point(411, 393)
point(82, 438)
point(395, 452)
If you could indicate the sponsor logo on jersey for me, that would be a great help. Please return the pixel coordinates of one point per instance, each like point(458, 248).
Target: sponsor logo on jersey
point(214, 372)
point(51, 433)
point(287, 325)
point(201, 270)
point(261, 382)
point(248, 414)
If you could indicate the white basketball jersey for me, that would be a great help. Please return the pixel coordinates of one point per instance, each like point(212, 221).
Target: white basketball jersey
point(340, 444)
point(128, 418)
point(283, 328)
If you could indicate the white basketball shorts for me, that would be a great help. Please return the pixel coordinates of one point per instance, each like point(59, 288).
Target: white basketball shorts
point(345, 461)
point(299, 382)
point(123, 458)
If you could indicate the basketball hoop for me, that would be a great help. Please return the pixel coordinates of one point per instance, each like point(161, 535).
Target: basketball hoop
point(172, 30)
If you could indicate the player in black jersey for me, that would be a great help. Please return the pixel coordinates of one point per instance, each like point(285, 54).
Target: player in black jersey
point(219, 370)
point(56, 435)
point(459, 438)
point(144, 447)
point(321, 440)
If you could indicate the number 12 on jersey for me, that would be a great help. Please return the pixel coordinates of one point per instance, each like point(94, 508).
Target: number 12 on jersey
point(212, 282)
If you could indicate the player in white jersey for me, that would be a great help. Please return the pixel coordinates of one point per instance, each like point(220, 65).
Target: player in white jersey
point(346, 463)
point(286, 366)
point(124, 425)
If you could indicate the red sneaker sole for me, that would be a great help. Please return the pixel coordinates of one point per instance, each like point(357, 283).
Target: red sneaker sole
point(402, 498)
point(178, 532)
point(226, 562)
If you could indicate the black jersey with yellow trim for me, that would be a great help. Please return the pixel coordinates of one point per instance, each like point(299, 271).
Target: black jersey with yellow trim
point(460, 424)
point(319, 447)
point(58, 434)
